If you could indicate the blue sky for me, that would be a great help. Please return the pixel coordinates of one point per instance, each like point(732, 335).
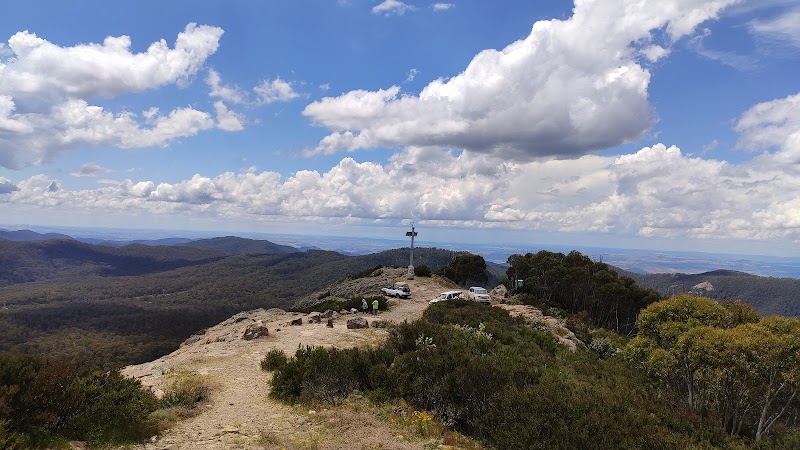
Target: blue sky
point(671, 124)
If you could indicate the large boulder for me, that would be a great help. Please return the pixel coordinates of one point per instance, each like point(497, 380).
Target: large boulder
point(499, 293)
point(255, 330)
point(357, 322)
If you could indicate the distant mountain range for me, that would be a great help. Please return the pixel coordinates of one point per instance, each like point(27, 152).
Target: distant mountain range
point(768, 295)
point(635, 261)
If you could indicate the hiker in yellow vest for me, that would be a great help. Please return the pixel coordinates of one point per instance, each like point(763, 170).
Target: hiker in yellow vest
point(375, 307)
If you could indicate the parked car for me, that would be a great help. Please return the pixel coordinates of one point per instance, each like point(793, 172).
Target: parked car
point(398, 290)
point(448, 295)
point(479, 294)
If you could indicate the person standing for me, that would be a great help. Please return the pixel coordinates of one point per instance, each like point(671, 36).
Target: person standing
point(364, 306)
point(375, 307)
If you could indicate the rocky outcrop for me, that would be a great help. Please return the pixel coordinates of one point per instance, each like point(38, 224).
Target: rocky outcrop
point(536, 319)
point(702, 288)
point(246, 325)
point(358, 288)
point(357, 322)
point(255, 330)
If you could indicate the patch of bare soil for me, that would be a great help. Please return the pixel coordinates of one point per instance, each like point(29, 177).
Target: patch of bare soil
point(239, 413)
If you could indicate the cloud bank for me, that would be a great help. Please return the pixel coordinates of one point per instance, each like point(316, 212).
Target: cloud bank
point(656, 191)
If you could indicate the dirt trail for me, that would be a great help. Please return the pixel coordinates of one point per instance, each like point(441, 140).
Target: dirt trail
point(240, 415)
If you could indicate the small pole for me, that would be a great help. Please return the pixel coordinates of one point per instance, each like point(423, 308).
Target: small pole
point(412, 234)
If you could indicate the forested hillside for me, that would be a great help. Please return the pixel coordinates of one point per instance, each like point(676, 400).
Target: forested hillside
point(27, 261)
point(28, 235)
point(768, 295)
point(232, 245)
point(115, 306)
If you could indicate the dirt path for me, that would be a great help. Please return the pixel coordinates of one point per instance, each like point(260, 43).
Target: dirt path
point(240, 415)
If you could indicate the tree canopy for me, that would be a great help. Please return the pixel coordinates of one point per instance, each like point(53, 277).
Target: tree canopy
point(576, 283)
point(730, 364)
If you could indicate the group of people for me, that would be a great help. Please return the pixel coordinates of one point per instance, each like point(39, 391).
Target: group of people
point(365, 306)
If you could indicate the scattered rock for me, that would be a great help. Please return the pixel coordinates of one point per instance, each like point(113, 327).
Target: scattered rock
point(328, 314)
point(313, 317)
point(298, 321)
point(357, 322)
point(344, 312)
point(353, 311)
point(230, 429)
point(255, 330)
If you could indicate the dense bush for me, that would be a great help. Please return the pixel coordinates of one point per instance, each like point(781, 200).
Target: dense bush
point(493, 377)
point(422, 270)
point(110, 408)
point(466, 269)
point(317, 373)
point(43, 401)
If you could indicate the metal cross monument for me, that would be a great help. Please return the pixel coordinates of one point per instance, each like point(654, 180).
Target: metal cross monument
point(413, 234)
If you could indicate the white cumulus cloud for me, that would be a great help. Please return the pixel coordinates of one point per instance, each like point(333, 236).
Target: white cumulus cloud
point(46, 89)
point(6, 186)
point(770, 123)
point(389, 7)
point(226, 119)
point(442, 6)
point(572, 86)
point(41, 70)
point(277, 90)
point(90, 170)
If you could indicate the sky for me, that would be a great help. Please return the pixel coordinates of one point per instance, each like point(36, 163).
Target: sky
point(651, 124)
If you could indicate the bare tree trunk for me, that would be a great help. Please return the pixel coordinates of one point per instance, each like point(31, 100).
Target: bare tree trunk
point(764, 426)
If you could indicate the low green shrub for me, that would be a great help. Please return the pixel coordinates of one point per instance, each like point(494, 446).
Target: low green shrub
point(327, 374)
point(112, 409)
point(274, 360)
point(604, 347)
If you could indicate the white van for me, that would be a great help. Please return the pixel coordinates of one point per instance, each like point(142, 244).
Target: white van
point(447, 295)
